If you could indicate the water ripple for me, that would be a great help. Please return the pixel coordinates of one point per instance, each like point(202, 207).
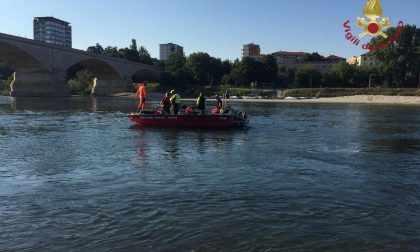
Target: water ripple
point(80, 176)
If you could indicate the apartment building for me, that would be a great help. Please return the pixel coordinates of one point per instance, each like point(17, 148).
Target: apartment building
point(167, 49)
point(251, 50)
point(53, 31)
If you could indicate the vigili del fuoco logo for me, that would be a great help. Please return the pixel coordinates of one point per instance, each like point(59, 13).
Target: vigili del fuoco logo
point(372, 26)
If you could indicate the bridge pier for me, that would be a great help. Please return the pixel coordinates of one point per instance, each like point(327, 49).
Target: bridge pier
point(39, 84)
point(107, 86)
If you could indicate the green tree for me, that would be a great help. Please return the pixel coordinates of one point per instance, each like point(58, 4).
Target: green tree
point(130, 53)
point(227, 66)
point(176, 74)
point(4, 87)
point(112, 52)
point(270, 69)
point(6, 77)
point(236, 75)
point(363, 74)
point(145, 56)
point(82, 83)
point(5, 72)
point(199, 64)
point(313, 57)
point(216, 71)
point(341, 75)
point(308, 77)
point(290, 73)
point(158, 63)
point(97, 49)
point(178, 79)
point(399, 62)
point(133, 45)
point(175, 62)
point(227, 80)
point(251, 70)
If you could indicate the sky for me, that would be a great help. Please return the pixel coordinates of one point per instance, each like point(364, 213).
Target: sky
point(217, 27)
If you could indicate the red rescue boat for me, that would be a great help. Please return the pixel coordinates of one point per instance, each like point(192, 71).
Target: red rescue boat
point(214, 120)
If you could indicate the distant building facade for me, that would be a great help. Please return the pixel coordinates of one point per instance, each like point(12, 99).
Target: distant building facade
point(362, 60)
point(251, 50)
point(53, 31)
point(334, 58)
point(352, 60)
point(288, 60)
point(167, 49)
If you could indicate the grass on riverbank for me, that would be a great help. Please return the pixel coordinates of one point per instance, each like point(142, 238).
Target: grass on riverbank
point(268, 93)
point(339, 92)
point(213, 90)
point(301, 92)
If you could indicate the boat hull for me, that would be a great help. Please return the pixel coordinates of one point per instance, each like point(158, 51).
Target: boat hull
point(201, 121)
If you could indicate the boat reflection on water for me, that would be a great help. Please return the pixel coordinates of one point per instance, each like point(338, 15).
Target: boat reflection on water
point(141, 149)
point(179, 144)
point(187, 136)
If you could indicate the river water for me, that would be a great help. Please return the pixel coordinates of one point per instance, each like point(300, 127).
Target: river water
point(76, 174)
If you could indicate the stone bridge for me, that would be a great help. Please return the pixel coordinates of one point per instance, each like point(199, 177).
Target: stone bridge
point(43, 69)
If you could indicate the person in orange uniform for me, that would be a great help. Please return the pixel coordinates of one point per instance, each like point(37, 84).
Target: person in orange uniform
point(141, 94)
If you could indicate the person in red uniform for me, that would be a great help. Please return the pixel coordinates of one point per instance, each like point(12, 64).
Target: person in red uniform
point(141, 94)
point(165, 103)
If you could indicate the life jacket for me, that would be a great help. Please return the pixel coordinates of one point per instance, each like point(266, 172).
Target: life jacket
point(142, 91)
point(215, 111)
point(166, 101)
point(176, 99)
point(188, 110)
point(201, 102)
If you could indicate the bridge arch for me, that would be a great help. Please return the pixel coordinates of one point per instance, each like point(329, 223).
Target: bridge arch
point(42, 69)
point(19, 59)
point(98, 67)
point(34, 73)
point(107, 80)
point(144, 74)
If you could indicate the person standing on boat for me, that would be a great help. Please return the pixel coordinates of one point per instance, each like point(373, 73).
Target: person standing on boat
point(141, 94)
point(165, 103)
point(175, 101)
point(219, 102)
point(201, 103)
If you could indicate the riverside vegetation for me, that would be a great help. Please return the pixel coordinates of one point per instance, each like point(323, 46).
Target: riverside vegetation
point(397, 67)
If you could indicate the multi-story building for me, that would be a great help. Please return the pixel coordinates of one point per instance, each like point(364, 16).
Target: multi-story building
point(52, 30)
point(362, 60)
point(251, 50)
point(167, 49)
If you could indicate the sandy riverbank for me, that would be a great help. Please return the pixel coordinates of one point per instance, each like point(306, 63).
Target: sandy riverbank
point(362, 99)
